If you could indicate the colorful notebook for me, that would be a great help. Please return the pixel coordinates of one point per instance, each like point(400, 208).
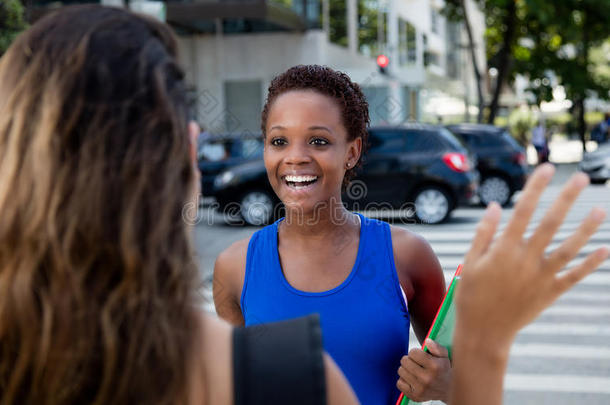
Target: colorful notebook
point(443, 325)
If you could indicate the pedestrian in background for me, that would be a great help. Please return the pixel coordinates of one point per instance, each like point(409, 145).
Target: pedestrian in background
point(539, 140)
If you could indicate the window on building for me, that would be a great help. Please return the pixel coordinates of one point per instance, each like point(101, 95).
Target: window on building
point(407, 43)
point(434, 17)
point(454, 50)
point(243, 104)
point(378, 98)
point(337, 16)
point(372, 28)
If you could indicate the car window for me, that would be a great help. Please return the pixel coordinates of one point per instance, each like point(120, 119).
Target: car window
point(385, 141)
point(251, 148)
point(423, 141)
point(451, 139)
point(214, 151)
point(490, 140)
point(508, 137)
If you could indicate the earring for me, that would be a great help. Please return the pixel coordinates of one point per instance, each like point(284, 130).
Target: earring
point(348, 164)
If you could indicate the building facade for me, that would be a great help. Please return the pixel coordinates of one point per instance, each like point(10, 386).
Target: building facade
point(232, 49)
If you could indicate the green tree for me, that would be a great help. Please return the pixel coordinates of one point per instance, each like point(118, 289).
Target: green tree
point(563, 39)
point(12, 22)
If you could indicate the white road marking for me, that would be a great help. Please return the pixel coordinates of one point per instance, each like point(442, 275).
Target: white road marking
point(560, 351)
point(557, 383)
point(570, 329)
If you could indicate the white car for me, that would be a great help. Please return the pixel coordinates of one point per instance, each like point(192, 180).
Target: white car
point(597, 164)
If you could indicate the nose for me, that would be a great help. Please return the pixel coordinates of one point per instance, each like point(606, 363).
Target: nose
point(297, 155)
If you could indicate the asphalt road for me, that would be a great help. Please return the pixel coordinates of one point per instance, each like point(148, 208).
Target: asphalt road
point(563, 357)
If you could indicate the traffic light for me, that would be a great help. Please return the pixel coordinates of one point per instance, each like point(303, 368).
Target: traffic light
point(382, 63)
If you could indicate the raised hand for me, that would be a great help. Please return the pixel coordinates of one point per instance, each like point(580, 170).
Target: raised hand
point(508, 281)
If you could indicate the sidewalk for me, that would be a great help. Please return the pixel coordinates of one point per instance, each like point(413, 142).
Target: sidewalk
point(562, 151)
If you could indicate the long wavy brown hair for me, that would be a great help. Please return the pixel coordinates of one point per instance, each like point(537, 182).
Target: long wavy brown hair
point(97, 277)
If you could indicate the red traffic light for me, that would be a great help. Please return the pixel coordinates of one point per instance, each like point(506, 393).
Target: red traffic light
point(382, 61)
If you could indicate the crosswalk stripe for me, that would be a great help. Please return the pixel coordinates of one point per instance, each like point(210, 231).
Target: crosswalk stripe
point(582, 310)
point(558, 351)
point(592, 296)
point(461, 236)
point(598, 278)
point(557, 383)
point(575, 329)
point(462, 248)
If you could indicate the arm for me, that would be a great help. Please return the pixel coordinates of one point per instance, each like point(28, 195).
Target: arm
point(229, 274)
point(508, 281)
point(422, 376)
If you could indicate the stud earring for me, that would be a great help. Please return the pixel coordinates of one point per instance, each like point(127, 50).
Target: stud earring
point(348, 164)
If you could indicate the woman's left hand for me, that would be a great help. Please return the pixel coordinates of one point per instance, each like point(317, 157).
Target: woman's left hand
point(425, 376)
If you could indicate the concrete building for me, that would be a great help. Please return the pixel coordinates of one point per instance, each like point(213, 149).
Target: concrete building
point(233, 48)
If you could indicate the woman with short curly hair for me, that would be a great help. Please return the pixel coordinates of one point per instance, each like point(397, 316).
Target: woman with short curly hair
point(357, 273)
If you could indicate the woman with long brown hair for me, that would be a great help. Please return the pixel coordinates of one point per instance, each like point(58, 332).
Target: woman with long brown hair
point(98, 286)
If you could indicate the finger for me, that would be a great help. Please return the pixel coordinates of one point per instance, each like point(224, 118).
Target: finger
point(571, 246)
point(414, 369)
point(405, 388)
point(407, 375)
point(572, 276)
point(435, 349)
point(419, 357)
point(528, 201)
point(485, 231)
point(556, 214)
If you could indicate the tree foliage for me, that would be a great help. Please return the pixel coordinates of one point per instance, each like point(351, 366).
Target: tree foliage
point(12, 22)
point(551, 43)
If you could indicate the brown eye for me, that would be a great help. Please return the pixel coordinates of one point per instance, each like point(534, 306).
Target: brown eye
point(278, 142)
point(319, 142)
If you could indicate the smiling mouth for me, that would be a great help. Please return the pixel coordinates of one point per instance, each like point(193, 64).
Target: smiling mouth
point(299, 182)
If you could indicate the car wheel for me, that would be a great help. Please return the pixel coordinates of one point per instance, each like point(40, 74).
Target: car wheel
point(432, 205)
point(256, 208)
point(496, 189)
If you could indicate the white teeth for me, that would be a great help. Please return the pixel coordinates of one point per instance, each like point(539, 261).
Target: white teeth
point(299, 179)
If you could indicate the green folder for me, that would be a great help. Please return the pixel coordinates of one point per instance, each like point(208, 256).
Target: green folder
point(443, 326)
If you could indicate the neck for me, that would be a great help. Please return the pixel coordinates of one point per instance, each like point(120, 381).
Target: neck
point(323, 220)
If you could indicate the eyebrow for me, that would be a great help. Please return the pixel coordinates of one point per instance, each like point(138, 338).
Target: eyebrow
point(312, 128)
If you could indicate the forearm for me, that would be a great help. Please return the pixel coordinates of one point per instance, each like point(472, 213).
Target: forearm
point(478, 370)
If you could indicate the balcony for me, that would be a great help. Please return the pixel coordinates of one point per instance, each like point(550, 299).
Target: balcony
point(237, 16)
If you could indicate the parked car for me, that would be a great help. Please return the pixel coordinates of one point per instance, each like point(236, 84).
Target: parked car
point(415, 164)
point(217, 153)
point(421, 165)
point(597, 164)
point(501, 161)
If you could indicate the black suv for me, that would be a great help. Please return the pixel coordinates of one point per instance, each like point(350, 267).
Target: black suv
point(415, 166)
point(216, 153)
point(423, 166)
point(501, 161)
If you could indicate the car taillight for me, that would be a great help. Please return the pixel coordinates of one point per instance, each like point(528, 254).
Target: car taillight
point(456, 161)
point(519, 158)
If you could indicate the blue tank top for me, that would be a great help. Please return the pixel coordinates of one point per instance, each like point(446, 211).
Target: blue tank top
point(365, 322)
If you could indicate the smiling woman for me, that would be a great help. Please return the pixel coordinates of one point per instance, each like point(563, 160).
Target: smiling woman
point(323, 259)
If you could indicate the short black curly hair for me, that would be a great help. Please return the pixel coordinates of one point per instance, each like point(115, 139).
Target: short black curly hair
point(334, 84)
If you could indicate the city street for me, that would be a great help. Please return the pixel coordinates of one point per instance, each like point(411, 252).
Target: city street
point(562, 358)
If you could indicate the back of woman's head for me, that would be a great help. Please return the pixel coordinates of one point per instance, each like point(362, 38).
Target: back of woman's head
point(96, 274)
